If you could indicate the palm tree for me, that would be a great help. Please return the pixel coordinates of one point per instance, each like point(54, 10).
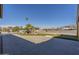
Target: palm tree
point(29, 27)
point(27, 18)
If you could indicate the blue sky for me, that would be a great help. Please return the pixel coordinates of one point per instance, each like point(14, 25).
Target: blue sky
point(41, 15)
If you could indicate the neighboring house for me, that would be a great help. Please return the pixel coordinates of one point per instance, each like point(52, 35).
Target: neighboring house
point(72, 27)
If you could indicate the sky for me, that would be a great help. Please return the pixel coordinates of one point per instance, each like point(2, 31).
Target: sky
point(40, 15)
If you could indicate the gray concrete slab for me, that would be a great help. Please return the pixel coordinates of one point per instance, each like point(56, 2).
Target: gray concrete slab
point(16, 45)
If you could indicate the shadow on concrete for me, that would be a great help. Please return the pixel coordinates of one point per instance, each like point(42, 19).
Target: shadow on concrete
point(14, 45)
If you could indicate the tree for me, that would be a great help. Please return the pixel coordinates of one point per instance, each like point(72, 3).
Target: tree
point(16, 29)
point(29, 28)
